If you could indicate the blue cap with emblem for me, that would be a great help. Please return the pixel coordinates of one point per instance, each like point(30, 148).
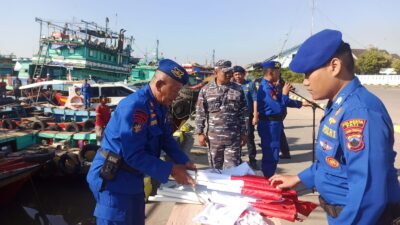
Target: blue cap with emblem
point(271, 65)
point(173, 70)
point(316, 51)
point(238, 69)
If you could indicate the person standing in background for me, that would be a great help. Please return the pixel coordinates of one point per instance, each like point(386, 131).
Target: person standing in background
point(221, 106)
point(103, 114)
point(250, 93)
point(85, 91)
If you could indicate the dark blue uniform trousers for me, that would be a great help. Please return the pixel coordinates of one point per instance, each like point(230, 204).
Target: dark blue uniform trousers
point(119, 209)
point(270, 134)
point(86, 100)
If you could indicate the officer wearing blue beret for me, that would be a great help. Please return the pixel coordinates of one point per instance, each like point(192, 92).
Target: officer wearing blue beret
point(250, 94)
point(354, 172)
point(131, 146)
point(271, 107)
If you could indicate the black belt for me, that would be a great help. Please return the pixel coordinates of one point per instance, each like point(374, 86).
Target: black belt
point(390, 216)
point(124, 165)
point(332, 210)
point(271, 118)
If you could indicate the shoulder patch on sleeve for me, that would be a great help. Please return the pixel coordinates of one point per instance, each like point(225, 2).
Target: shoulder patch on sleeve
point(353, 129)
point(139, 120)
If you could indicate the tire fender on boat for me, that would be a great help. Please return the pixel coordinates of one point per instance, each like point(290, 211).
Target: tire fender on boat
point(73, 127)
point(54, 127)
point(76, 101)
point(88, 125)
point(39, 125)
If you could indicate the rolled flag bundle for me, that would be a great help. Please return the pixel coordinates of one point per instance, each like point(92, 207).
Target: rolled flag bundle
point(254, 194)
point(271, 202)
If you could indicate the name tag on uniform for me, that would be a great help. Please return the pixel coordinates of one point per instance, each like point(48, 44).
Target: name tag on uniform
point(329, 131)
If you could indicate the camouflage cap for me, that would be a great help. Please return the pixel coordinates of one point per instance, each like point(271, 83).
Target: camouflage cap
point(225, 65)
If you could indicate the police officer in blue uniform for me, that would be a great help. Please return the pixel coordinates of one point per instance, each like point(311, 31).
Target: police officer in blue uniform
point(250, 93)
point(271, 106)
point(130, 148)
point(85, 91)
point(354, 172)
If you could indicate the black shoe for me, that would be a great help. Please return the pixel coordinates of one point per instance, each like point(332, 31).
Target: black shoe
point(253, 164)
point(285, 157)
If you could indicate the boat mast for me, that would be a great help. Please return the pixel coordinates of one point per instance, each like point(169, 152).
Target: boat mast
point(213, 58)
point(158, 42)
point(312, 15)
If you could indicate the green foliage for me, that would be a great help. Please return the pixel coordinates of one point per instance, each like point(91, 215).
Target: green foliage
point(396, 65)
point(371, 61)
point(286, 73)
point(291, 77)
point(255, 74)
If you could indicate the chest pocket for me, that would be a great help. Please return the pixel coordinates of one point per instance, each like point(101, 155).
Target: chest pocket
point(233, 101)
point(214, 105)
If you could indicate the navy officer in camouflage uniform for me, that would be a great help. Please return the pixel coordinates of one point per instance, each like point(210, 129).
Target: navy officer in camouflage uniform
point(131, 146)
point(250, 94)
point(222, 107)
point(354, 172)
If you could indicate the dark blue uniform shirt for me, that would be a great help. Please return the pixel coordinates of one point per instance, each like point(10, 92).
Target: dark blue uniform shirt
point(85, 89)
point(137, 131)
point(355, 157)
point(271, 102)
point(250, 94)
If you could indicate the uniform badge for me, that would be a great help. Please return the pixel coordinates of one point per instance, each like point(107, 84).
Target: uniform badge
point(139, 120)
point(273, 95)
point(332, 162)
point(332, 120)
point(137, 127)
point(353, 130)
point(325, 145)
point(338, 111)
point(329, 131)
point(339, 100)
point(177, 72)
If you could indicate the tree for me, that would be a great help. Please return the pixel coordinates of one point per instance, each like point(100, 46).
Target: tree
point(292, 77)
point(256, 73)
point(372, 60)
point(396, 65)
point(287, 75)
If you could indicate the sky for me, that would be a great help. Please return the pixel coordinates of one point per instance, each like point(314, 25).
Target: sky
point(189, 30)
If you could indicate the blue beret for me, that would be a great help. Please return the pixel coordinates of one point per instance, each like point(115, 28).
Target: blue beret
point(174, 70)
point(316, 51)
point(271, 65)
point(238, 69)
